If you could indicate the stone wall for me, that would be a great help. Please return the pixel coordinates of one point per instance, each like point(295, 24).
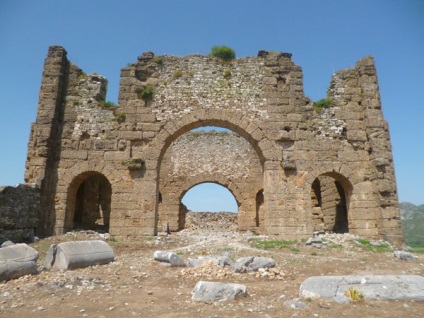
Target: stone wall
point(161, 98)
point(19, 209)
point(219, 157)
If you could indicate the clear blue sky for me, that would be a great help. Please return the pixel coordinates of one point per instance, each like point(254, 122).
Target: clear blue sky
point(324, 36)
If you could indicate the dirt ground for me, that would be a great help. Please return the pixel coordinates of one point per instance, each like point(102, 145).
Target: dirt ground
point(136, 285)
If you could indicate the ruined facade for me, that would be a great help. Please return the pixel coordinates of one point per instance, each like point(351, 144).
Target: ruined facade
point(292, 168)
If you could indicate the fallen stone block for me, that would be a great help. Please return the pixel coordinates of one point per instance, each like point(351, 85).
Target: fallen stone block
point(377, 287)
point(7, 243)
point(313, 240)
point(295, 304)
point(221, 261)
point(252, 264)
point(78, 254)
point(217, 291)
point(17, 260)
point(404, 256)
point(168, 257)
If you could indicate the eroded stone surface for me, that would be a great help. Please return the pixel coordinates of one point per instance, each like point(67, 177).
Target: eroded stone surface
point(215, 291)
point(78, 254)
point(380, 287)
point(17, 260)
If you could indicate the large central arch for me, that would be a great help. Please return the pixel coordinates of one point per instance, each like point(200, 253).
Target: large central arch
point(244, 190)
point(233, 121)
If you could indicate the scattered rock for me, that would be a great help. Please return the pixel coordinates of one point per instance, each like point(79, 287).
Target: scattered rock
point(295, 304)
point(168, 257)
point(379, 287)
point(78, 254)
point(7, 243)
point(221, 261)
point(404, 256)
point(216, 291)
point(207, 269)
point(249, 264)
point(313, 240)
point(271, 273)
point(17, 260)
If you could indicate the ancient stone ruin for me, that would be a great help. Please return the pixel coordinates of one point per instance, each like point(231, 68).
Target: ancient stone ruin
point(292, 167)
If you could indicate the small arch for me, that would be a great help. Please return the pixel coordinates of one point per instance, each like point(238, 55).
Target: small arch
point(210, 207)
point(89, 202)
point(223, 185)
point(330, 196)
point(183, 209)
point(260, 208)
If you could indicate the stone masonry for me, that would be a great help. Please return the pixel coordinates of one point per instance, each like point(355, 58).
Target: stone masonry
point(125, 168)
point(19, 210)
point(220, 157)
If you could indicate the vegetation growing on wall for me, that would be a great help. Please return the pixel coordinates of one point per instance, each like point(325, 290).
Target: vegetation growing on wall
point(120, 116)
point(323, 103)
point(147, 92)
point(223, 52)
point(108, 104)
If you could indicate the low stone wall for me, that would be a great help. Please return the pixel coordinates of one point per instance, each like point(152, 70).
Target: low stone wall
point(19, 208)
point(211, 221)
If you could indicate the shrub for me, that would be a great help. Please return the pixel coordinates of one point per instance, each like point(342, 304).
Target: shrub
point(223, 52)
point(323, 103)
point(147, 92)
point(120, 116)
point(178, 73)
point(354, 295)
point(158, 60)
point(227, 73)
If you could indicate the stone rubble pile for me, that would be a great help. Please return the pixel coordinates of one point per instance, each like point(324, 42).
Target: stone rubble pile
point(208, 270)
point(271, 273)
point(222, 221)
point(324, 238)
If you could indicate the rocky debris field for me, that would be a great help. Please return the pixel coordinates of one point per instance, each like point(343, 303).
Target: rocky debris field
point(137, 285)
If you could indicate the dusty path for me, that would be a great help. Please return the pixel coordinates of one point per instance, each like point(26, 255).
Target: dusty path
point(136, 285)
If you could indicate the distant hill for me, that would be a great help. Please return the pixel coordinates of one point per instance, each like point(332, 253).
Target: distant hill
point(413, 222)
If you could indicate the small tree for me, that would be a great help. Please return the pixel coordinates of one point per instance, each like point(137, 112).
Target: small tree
point(223, 52)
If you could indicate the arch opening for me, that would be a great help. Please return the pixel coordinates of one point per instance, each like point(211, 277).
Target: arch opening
point(208, 206)
point(330, 203)
point(207, 125)
point(260, 208)
point(208, 152)
point(89, 203)
point(209, 197)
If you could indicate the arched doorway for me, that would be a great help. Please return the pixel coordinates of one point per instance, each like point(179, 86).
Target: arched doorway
point(330, 195)
point(215, 154)
point(89, 201)
point(209, 206)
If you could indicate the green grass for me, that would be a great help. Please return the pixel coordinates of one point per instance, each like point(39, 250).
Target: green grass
point(107, 104)
point(323, 103)
point(417, 247)
point(266, 245)
point(178, 73)
point(336, 246)
point(366, 245)
point(354, 295)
